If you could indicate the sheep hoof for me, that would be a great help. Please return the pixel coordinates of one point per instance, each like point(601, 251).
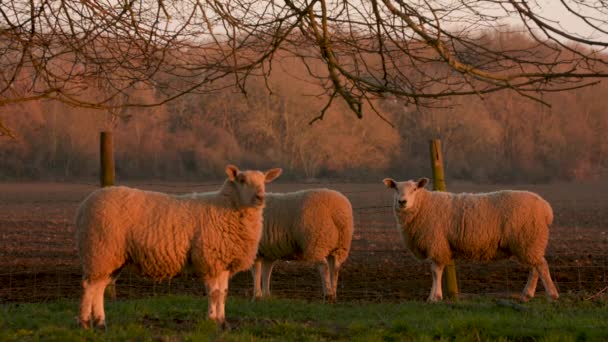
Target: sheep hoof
point(434, 299)
point(525, 298)
point(330, 299)
point(223, 326)
point(85, 324)
point(101, 326)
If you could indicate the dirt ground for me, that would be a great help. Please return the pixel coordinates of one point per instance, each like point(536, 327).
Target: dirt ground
point(38, 260)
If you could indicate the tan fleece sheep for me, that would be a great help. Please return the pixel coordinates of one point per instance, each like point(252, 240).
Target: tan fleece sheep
point(314, 225)
point(215, 232)
point(442, 226)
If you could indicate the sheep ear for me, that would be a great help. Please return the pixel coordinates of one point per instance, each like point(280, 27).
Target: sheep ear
point(390, 183)
point(422, 182)
point(272, 174)
point(232, 171)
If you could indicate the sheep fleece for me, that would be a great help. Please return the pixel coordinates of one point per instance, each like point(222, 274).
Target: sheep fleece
point(482, 227)
point(292, 224)
point(161, 233)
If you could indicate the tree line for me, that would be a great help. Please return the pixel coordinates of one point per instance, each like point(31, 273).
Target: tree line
point(497, 137)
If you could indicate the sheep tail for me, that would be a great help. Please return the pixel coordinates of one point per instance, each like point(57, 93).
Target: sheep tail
point(343, 220)
point(549, 214)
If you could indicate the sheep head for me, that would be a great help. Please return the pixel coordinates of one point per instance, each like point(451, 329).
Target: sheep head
point(405, 192)
point(250, 185)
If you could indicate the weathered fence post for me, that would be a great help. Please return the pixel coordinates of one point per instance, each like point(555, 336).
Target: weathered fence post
point(106, 159)
point(450, 279)
point(106, 178)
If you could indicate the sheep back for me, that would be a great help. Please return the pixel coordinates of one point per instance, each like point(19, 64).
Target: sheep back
point(480, 227)
point(306, 225)
point(159, 233)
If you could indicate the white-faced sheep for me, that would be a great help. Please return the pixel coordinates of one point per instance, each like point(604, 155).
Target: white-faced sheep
point(442, 226)
point(217, 233)
point(314, 225)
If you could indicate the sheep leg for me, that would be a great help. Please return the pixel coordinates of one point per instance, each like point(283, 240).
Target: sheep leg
point(530, 288)
point(266, 272)
point(92, 303)
point(213, 296)
point(436, 293)
point(323, 268)
point(334, 270)
point(221, 303)
point(543, 271)
point(256, 272)
point(86, 305)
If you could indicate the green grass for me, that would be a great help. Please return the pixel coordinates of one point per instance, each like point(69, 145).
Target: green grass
point(177, 318)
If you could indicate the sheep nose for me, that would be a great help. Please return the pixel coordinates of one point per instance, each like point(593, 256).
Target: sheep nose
point(259, 197)
point(402, 202)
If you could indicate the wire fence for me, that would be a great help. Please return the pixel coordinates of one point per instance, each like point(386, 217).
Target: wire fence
point(38, 259)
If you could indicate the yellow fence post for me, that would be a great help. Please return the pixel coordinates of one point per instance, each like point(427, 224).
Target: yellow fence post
point(106, 178)
point(450, 279)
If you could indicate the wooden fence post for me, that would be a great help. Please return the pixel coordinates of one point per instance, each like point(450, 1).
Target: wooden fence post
point(106, 178)
point(450, 278)
point(106, 159)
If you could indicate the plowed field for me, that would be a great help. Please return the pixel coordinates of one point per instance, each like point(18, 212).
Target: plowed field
point(38, 260)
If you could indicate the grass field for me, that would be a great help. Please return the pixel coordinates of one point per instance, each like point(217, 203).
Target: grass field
point(182, 318)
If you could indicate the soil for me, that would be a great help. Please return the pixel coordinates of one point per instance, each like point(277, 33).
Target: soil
point(38, 259)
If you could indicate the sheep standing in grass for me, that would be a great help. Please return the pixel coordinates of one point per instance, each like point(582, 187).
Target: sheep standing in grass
point(313, 225)
point(216, 232)
point(442, 226)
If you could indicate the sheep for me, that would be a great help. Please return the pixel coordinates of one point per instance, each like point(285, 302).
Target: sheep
point(215, 233)
point(442, 226)
point(314, 225)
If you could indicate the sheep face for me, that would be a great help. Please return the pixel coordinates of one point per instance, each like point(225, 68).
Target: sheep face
point(251, 185)
point(405, 192)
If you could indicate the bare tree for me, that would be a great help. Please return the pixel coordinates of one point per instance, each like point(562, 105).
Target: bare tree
point(417, 50)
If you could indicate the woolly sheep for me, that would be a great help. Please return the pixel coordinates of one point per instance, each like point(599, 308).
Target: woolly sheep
point(314, 225)
point(217, 233)
point(441, 226)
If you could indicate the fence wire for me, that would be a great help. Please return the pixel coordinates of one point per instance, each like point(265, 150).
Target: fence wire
point(38, 259)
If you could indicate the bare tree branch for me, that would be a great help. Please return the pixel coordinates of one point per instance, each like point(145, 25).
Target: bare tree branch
point(419, 51)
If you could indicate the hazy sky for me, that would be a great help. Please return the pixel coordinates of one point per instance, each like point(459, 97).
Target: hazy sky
point(554, 10)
